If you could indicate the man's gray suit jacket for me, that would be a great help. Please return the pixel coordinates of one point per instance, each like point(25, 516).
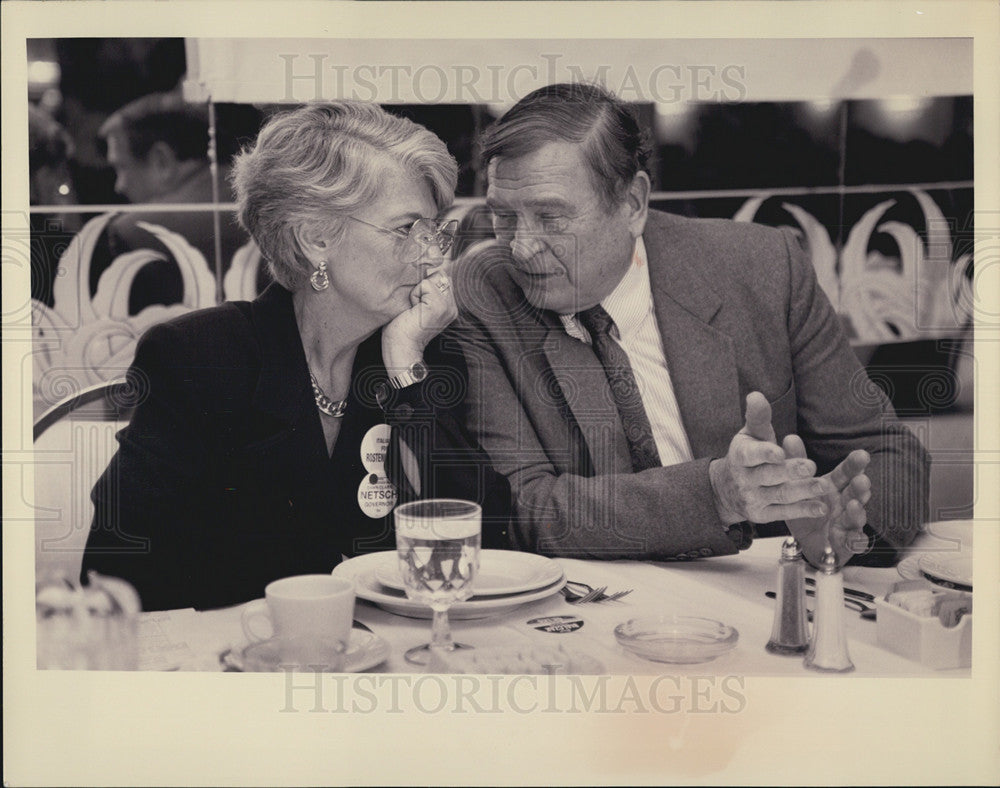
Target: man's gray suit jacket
point(739, 310)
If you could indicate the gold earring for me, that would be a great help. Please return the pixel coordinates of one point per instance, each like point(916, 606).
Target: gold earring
point(319, 280)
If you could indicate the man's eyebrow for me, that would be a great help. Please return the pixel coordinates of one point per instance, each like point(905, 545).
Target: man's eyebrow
point(536, 203)
point(549, 202)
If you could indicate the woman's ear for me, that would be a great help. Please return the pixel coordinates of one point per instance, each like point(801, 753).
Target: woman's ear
point(313, 242)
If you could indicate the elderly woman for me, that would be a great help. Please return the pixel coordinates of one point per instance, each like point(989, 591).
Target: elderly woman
point(275, 436)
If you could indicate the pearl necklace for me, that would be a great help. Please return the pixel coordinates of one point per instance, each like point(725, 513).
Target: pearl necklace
point(326, 405)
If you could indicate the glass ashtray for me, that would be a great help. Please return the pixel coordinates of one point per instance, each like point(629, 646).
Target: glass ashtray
point(681, 640)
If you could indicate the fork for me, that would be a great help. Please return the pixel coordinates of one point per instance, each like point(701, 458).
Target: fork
point(588, 594)
point(580, 593)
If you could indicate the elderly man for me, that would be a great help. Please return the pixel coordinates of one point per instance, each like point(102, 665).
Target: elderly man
point(612, 349)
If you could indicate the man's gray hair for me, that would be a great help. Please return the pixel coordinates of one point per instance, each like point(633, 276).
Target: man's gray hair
point(615, 145)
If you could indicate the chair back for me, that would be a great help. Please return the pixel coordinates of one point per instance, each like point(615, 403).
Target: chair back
point(74, 441)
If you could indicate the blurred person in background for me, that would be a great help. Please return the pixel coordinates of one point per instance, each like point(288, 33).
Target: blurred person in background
point(50, 154)
point(96, 77)
point(158, 147)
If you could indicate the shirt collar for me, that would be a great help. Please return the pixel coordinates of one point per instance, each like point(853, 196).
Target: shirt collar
point(628, 304)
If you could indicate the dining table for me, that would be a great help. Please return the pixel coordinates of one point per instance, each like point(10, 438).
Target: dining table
point(729, 589)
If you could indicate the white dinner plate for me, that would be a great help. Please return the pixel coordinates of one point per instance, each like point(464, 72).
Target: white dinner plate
point(948, 570)
point(364, 650)
point(366, 585)
point(500, 572)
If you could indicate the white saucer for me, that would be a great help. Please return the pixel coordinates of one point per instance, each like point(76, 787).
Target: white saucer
point(500, 572)
point(364, 650)
point(909, 567)
point(366, 586)
point(943, 540)
point(942, 568)
point(948, 570)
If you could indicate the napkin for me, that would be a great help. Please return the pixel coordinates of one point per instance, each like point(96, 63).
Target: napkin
point(528, 660)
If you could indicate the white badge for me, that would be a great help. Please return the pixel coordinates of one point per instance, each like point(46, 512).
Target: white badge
point(376, 496)
point(374, 446)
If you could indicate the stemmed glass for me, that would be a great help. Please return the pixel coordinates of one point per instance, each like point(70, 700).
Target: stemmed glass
point(437, 544)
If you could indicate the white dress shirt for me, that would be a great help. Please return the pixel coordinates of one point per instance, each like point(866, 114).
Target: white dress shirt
point(630, 305)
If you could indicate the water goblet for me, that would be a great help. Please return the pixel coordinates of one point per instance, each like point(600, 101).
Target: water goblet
point(437, 545)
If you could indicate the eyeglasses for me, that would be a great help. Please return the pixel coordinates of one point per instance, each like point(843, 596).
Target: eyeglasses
point(420, 236)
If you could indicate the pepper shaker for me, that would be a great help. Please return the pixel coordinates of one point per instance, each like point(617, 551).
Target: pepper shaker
point(828, 645)
point(789, 633)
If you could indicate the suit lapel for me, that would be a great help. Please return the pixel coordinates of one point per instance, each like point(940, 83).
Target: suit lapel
point(700, 358)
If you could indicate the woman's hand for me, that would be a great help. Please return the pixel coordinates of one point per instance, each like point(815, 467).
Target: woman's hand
point(432, 310)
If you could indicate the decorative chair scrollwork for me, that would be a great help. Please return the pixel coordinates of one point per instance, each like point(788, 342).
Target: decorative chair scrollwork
point(81, 341)
point(240, 281)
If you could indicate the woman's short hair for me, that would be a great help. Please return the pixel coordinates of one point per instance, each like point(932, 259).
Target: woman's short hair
point(313, 165)
point(615, 145)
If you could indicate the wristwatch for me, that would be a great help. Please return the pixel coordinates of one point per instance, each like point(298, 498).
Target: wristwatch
point(416, 372)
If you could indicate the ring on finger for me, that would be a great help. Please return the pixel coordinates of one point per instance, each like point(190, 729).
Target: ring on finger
point(443, 285)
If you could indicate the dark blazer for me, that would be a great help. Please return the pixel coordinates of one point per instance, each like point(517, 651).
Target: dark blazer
point(222, 481)
point(739, 309)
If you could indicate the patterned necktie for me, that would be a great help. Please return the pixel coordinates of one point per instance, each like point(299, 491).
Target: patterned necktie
point(613, 358)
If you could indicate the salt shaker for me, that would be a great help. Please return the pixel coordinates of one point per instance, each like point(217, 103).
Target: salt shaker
point(789, 634)
point(828, 646)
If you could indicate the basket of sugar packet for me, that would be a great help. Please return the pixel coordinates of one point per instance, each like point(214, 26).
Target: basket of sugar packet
point(927, 623)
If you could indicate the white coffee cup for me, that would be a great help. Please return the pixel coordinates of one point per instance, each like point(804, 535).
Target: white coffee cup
point(303, 605)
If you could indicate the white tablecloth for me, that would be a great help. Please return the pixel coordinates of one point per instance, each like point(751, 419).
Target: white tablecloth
point(729, 589)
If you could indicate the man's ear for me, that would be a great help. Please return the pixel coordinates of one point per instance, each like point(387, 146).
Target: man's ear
point(161, 157)
point(637, 203)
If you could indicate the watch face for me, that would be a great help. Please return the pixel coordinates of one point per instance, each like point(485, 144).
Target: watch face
point(418, 371)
